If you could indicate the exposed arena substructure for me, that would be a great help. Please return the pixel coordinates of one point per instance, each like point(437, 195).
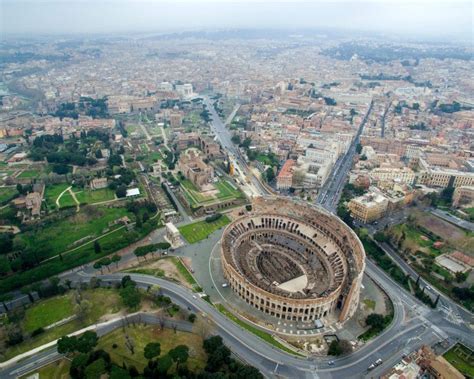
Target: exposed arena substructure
point(294, 261)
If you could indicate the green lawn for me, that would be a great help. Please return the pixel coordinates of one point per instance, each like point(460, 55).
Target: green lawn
point(47, 312)
point(66, 200)
point(87, 196)
point(252, 329)
point(196, 198)
point(457, 356)
point(27, 174)
point(226, 190)
point(102, 300)
point(52, 192)
point(7, 193)
point(60, 235)
point(198, 231)
point(144, 334)
point(193, 193)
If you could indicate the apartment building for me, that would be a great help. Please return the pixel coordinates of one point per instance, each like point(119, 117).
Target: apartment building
point(368, 207)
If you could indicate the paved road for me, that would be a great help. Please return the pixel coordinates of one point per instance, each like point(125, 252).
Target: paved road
point(453, 219)
point(331, 191)
point(255, 186)
point(232, 115)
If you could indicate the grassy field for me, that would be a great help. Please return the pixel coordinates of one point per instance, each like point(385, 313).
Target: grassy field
point(90, 197)
point(457, 356)
point(52, 192)
point(142, 335)
point(198, 231)
point(66, 200)
point(103, 301)
point(7, 193)
point(29, 174)
point(60, 235)
point(252, 329)
point(225, 191)
point(47, 312)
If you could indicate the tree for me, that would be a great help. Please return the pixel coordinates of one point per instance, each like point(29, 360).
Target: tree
point(87, 342)
point(380, 237)
point(130, 297)
point(269, 174)
point(118, 373)
point(121, 191)
point(164, 364)
point(152, 350)
point(375, 321)
point(95, 369)
point(83, 344)
point(217, 358)
point(5, 266)
point(236, 139)
point(334, 348)
point(116, 259)
point(192, 318)
point(97, 248)
point(212, 343)
point(179, 354)
point(78, 365)
point(461, 276)
point(66, 345)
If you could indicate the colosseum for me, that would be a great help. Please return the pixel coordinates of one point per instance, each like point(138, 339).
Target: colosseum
point(294, 261)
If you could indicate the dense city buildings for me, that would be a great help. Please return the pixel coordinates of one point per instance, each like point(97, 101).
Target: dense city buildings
point(305, 194)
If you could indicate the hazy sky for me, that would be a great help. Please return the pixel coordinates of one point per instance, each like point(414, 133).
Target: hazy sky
point(420, 17)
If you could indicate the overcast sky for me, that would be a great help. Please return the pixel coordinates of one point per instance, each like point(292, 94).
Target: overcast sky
point(419, 17)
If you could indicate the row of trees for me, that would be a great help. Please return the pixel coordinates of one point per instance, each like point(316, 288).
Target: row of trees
point(143, 251)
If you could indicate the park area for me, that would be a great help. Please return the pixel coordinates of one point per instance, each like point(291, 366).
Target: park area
point(114, 343)
point(462, 358)
point(425, 233)
point(144, 334)
point(64, 195)
point(7, 193)
point(200, 230)
point(224, 191)
point(45, 313)
point(422, 240)
point(62, 234)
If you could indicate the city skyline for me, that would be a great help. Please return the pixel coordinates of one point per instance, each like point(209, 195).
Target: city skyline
point(421, 19)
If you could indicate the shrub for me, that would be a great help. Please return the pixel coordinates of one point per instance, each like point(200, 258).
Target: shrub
point(213, 217)
point(37, 332)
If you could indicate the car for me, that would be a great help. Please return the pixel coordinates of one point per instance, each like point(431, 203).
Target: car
point(378, 362)
point(224, 285)
point(371, 367)
point(194, 297)
point(331, 363)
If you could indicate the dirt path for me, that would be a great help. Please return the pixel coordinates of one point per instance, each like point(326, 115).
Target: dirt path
point(78, 206)
point(62, 193)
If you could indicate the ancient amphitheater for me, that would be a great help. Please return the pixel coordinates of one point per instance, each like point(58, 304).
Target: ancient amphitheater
point(293, 261)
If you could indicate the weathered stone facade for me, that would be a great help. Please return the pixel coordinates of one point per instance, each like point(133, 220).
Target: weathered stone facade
point(283, 242)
